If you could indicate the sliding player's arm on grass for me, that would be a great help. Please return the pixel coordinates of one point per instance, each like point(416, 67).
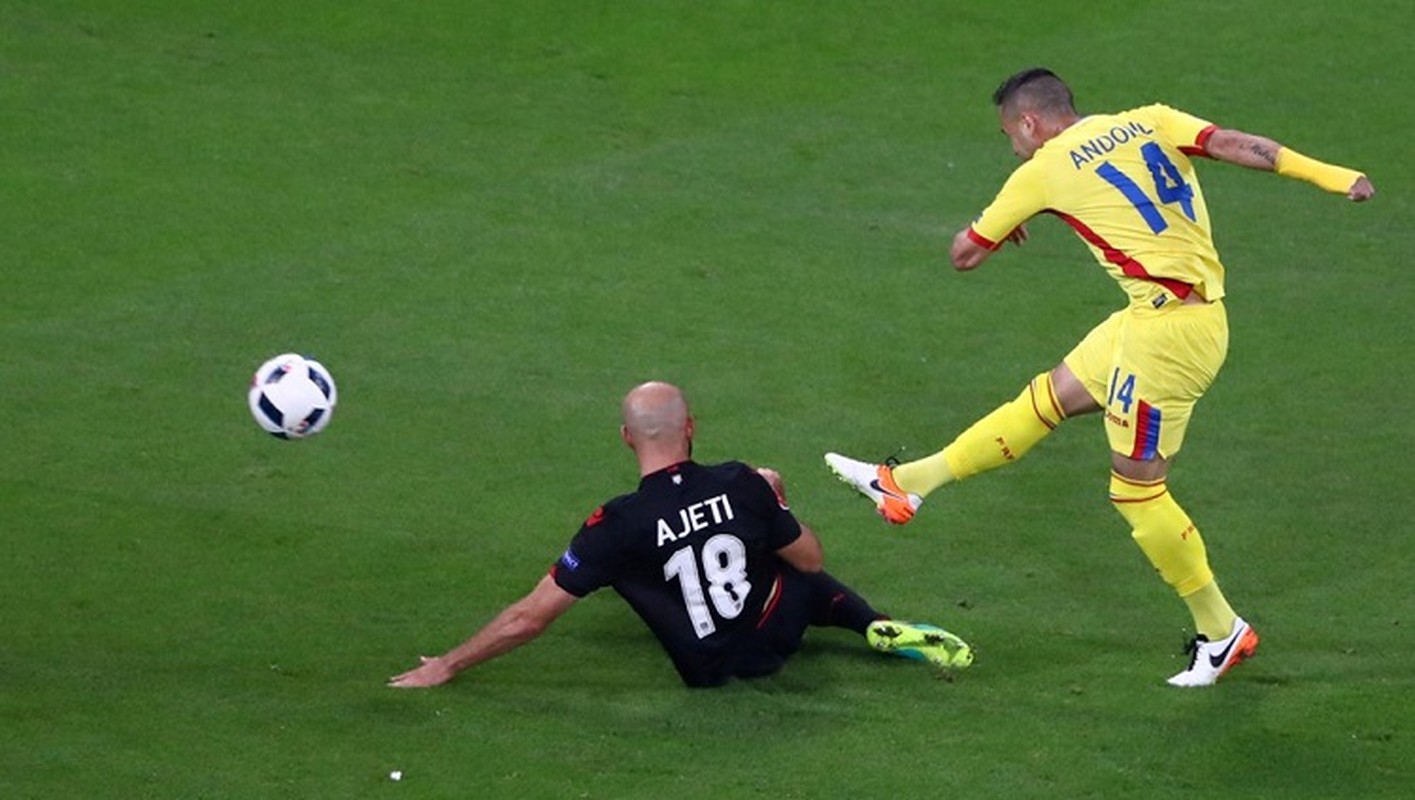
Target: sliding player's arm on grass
point(1262, 153)
point(519, 623)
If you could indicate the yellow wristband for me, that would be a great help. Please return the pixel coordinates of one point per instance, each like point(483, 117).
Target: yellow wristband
point(1293, 164)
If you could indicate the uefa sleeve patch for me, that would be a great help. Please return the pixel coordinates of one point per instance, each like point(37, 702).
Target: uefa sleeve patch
point(569, 559)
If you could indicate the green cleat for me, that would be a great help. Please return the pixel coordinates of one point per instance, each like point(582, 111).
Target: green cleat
point(919, 642)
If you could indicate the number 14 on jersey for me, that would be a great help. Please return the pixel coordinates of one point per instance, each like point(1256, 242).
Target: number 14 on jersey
point(1170, 187)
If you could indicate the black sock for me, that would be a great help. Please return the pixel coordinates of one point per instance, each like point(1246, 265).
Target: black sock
point(835, 605)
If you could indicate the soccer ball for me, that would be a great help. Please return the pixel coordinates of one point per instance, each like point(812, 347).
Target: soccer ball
point(292, 396)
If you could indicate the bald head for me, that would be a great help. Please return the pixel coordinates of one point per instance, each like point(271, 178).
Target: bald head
point(656, 412)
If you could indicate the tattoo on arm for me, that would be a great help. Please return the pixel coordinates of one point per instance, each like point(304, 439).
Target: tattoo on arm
point(1261, 150)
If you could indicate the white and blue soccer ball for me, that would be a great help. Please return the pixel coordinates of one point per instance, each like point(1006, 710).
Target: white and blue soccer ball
point(292, 396)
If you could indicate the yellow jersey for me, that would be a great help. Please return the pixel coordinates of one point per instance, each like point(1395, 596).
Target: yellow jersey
point(1124, 182)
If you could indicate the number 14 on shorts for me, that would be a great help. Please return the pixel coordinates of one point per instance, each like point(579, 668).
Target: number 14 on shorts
point(1142, 426)
point(1122, 388)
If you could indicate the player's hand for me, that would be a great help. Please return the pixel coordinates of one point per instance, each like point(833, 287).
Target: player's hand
point(1361, 190)
point(773, 479)
point(1018, 235)
point(432, 672)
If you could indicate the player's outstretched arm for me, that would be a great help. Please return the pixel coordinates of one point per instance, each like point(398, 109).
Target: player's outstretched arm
point(519, 623)
point(1260, 152)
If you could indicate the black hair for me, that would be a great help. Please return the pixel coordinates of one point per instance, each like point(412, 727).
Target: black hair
point(1038, 88)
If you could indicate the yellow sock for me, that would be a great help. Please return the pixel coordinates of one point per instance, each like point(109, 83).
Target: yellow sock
point(1213, 616)
point(1173, 545)
point(1001, 437)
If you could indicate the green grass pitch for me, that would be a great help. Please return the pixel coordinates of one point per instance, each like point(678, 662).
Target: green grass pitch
point(491, 219)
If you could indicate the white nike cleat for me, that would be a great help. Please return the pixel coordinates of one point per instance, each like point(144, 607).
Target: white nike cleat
point(876, 481)
point(1210, 660)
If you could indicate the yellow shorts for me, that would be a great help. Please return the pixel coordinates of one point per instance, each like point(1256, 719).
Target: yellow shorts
point(1147, 367)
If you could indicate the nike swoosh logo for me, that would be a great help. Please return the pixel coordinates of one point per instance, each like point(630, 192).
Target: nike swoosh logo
point(1217, 661)
point(874, 484)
